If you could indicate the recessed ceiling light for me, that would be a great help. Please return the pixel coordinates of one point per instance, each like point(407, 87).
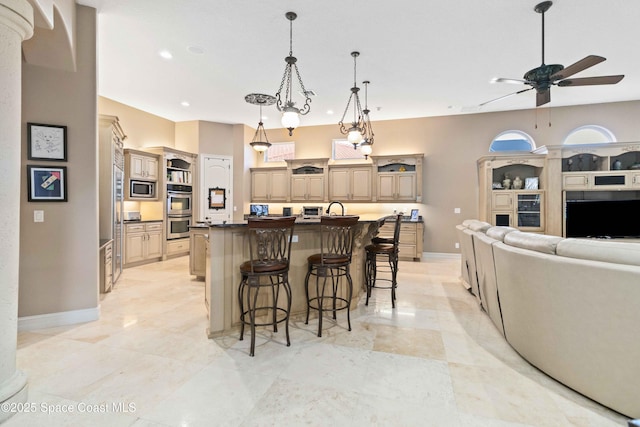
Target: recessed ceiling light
point(185, 104)
point(329, 112)
point(165, 54)
point(196, 50)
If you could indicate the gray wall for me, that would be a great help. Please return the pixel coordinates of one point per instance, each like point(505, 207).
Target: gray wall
point(59, 257)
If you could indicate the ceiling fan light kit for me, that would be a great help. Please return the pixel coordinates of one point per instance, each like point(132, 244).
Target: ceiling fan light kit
point(546, 75)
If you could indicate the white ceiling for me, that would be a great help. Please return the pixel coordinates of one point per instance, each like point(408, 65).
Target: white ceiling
point(423, 57)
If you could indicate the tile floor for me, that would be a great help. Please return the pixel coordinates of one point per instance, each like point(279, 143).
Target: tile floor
point(435, 360)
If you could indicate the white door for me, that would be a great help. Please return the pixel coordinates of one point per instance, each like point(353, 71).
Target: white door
point(216, 190)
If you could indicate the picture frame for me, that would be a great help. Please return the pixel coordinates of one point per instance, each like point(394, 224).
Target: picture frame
point(414, 215)
point(46, 142)
point(531, 183)
point(217, 198)
point(46, 183)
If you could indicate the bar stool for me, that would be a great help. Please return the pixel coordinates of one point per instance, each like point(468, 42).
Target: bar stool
point(332, 263)
point(268, 267)
point(383, 249)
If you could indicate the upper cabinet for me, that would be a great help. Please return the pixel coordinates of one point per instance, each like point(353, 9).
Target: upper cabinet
point(308, 180)
point(399, 178)
point(351, 183)
point(141, 165)
point(269, 184)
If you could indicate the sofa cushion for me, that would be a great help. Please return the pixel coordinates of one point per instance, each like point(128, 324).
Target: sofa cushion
point(600, 250)
point(467, 222)
point(535, 242)
point(479, 226)
point(499, 232)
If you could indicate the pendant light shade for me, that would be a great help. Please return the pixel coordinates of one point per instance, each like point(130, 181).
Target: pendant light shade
point(260, 143)
point(290, 113)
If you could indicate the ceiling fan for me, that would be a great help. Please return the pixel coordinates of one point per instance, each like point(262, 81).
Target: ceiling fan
point(546, 75)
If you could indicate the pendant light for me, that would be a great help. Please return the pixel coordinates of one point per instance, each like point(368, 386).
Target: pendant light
point(367, 142)
point(260, 143)
point(355, 133)
point(290, 113)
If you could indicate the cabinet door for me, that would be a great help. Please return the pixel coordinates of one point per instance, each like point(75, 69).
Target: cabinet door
point(406, 189)
point(154, 244)
point(136, 167)
point(361, 184)
point(575, 181)
point(502, 200)
point(315, 187)
point(340, 184)
point(504, 219)
point(386, 186)
point(298, 188)
point(279, 186)
point(151, 168)
point(260, 185)
point(197, 260)
point(134, 247)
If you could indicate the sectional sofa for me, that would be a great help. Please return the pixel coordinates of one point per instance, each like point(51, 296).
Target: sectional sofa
point(571, 307)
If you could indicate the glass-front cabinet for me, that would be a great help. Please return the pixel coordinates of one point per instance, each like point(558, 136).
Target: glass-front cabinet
point(521, 209)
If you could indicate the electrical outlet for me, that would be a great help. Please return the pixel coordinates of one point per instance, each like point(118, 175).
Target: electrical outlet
point(456, 210)
point(38, 216)
point(457, 245)
point(294, 238)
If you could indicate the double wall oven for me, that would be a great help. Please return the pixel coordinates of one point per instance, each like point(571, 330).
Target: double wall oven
point(179, 210)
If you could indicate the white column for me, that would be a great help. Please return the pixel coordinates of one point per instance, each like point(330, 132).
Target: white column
point(16, 25)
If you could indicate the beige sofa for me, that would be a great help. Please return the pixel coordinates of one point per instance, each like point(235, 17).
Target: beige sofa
point(571, 307)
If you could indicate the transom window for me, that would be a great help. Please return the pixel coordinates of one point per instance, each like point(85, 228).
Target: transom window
point(280, 151)
point(512, 140)
point(343, 150)
point(589, 134)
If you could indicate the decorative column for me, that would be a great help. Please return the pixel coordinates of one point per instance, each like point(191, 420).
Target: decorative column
point(16, 25)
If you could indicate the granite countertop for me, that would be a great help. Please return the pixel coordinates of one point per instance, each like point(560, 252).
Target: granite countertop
point(141, 221)
point(104, 242)
point(364, 218)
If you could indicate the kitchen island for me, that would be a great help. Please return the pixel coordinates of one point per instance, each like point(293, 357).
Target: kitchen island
point(227, 250)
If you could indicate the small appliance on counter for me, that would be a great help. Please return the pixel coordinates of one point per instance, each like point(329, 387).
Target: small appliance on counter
point(132, 216)
point(309, 212)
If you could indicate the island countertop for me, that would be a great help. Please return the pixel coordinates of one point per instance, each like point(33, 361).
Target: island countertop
point(227, 250)
point(363, 218)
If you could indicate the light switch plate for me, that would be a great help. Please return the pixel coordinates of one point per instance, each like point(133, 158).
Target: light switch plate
point(456, 210)
point(38, 216)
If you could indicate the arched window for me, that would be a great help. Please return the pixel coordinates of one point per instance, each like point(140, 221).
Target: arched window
point(512, 140)
point(589, 134)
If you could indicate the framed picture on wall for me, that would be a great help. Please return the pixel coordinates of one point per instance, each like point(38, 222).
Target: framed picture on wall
point(46, 142)
point(47, 184)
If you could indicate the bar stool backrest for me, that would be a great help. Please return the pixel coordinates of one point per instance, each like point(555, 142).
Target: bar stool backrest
point(270, 242)
point(336, 237)
point(396, 230)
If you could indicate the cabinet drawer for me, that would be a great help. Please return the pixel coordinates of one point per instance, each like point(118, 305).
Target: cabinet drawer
point(409, 228)
point(154, 226)
point(407, 238)
point(134, 228)
point(178, 246)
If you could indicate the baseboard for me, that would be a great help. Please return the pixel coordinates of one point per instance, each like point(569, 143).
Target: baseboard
point(51, 320)
point(440, 255)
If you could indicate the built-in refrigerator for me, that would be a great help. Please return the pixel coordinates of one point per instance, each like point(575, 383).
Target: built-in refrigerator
point(111, 188)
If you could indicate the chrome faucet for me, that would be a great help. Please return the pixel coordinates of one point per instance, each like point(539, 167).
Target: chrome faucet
point(329, 207)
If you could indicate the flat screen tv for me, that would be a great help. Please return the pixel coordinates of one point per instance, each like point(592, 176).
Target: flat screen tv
point(603, 218)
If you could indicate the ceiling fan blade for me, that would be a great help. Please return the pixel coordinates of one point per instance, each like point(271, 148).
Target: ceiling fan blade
point(505, 96)
point(589, 81)
point(583, 64)
point(510, 81)
point(543, 98)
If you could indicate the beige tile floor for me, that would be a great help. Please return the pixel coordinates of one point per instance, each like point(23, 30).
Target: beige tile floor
point(435, 360)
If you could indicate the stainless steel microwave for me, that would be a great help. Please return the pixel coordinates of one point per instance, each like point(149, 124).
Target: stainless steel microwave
point(142, 189)
point(312, 211)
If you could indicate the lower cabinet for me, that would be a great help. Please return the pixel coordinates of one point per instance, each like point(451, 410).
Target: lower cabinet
point(177, 247)
point(523, 209)
point(106, 267)
point(142, 243)
point(197, 248)
point(410, 241)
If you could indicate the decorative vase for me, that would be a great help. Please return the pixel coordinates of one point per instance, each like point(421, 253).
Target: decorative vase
point(517, 183)
point(506, 183)
point(617, 165)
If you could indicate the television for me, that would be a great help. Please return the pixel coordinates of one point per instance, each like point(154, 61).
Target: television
point(259, 210)
point(602, 218)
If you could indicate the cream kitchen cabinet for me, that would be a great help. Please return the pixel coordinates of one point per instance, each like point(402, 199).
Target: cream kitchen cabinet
point(142, 243)
point(350, 183)
point(307, 188)
point(197, 251)
point(269, 185)
point(141, 165)
point(519, 208)
point(410, 242)
point(399, 178)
